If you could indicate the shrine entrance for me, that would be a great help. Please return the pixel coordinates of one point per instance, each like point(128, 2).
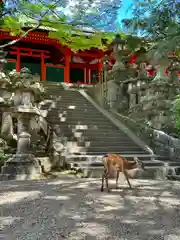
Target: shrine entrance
point(33, 64)
point(33, 59)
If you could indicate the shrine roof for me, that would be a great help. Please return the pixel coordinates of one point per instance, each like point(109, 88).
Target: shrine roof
point(32, 23)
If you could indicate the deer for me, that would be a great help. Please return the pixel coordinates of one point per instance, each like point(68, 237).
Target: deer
point(119, 164)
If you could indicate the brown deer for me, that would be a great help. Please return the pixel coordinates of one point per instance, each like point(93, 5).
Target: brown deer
point(118, 164)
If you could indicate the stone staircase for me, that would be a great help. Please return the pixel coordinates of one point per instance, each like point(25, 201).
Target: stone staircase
point(90, 134)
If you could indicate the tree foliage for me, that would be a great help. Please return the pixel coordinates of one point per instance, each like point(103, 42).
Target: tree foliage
point(69, 29)
point(159, 21)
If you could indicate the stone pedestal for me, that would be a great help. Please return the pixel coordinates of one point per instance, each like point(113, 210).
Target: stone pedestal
point(23, 165)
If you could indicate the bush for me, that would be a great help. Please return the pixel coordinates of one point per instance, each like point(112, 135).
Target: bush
point(176, 110)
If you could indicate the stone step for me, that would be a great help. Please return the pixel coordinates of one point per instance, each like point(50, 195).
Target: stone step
point(166, 159)
point(132, 149)
point(103, 152)
point(96, 161)
point(113, 148)
point(52, 84)
point(95, 143)
point(82, 126)
point(147, 163)
point(93, 167)
point(91, 134)
point(68, 106)
point(70, 126)
point(100, 154)
point(79, 119)
point(103, 138)
point(174, 177)
point(92, 157)
point(99, 165)
point(61, 101)
point(71, 103)
point(73, 106)
point(92, 131)
point(152, 172)
point(68, 96)
point(80, 123)
point(71, 100)
point(63, 93)
point(68, 100)
point(77, 113)
point(171, 163)
point(84, 114)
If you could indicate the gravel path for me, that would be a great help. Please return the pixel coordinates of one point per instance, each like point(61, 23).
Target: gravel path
point(72, 208)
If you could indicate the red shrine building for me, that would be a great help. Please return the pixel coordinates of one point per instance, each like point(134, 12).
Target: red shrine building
point(52, 61)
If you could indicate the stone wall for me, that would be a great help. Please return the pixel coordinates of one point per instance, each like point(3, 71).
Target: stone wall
point(161, 143)
point(148, 102)
point(96, 93)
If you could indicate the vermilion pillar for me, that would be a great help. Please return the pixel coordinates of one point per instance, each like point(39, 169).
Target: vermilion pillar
point(67, 66)
point(18, 61)
point(43, 68)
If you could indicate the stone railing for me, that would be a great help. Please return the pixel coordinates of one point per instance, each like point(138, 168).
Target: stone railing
point(55, 144)
point(161, 143)
point(48, 133)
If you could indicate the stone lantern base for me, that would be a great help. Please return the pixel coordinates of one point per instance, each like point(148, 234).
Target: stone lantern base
point(21, 167)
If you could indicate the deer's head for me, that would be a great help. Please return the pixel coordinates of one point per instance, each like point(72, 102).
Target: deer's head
point(139, 163)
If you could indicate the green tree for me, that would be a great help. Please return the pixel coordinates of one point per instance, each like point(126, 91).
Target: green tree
point(42, 14)
point(159, 21)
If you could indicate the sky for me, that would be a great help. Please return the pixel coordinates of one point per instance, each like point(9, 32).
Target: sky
point(123, 12)
point(115, 23)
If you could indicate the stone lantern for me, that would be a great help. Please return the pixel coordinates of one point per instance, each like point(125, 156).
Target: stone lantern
point(117, 89)
point(5, 93)
point(2, 59)
point(5, 103)
point(104, 80)
point(174, 68)
point(158, 57)
point(118, 50)
point(4, 80)
point(23, 164)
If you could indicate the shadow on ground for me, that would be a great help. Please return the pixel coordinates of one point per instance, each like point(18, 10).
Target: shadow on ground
point(72, 208)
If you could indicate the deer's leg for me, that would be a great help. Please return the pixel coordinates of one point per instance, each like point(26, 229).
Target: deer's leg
point(117, 178)
point(105, 176)
point(126, 176)
point(107, 184)
point(102, 183)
